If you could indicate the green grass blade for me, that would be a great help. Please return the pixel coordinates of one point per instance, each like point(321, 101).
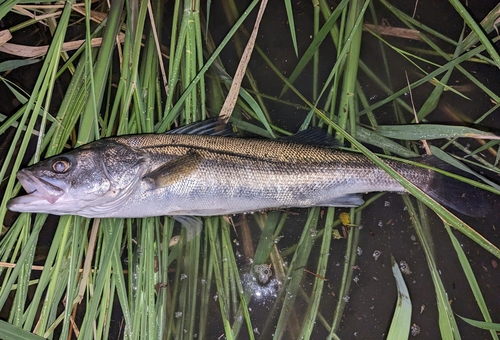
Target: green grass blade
point(11, 332)
point(291, 23)
point(471, 279)
point(313, 47)
point(491, 326)
point(317, 291)
point(401, 321)
point(478, 31)
point(431, 131)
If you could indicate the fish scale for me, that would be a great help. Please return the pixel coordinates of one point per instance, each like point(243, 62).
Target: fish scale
point(239, 175)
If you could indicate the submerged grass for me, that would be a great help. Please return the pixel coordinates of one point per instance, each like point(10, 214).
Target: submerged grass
point(116, 278)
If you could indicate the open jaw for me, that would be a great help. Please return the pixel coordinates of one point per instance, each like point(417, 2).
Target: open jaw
point(41, 192)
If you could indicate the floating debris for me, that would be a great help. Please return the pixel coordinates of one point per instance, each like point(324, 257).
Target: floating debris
point(174, 240)
point(356, 279)
point(405, 268)
point(264, 272)
point(415, 330)
point(345, 219)
point(259, 281)
point(376, 254)
point(336, 234)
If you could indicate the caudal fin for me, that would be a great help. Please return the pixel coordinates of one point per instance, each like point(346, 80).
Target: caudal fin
point(462, 197)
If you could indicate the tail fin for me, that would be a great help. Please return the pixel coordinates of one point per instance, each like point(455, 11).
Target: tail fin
point(462, 197)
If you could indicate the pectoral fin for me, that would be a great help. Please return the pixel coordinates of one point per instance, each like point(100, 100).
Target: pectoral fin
point(174, 170)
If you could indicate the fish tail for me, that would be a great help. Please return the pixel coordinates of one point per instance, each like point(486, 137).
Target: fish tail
point(460, 196)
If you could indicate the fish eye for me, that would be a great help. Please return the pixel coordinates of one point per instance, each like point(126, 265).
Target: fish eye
point(61, 165)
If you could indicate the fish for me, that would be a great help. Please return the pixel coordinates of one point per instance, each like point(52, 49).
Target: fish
point(196, 171)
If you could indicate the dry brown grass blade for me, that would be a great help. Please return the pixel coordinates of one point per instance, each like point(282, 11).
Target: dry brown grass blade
point(158, 47)
point(87, 267)
point(232, 97)
point(26, 11)
point(5, 36)
point(37, 51)
point(398, 32)
point(95, 16)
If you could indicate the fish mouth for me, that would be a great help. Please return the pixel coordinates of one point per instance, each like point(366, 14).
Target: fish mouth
point(39, 189)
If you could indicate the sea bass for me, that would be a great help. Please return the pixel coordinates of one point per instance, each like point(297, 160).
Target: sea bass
point(186, 174)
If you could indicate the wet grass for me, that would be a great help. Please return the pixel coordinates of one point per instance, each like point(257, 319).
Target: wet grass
point(109, 278)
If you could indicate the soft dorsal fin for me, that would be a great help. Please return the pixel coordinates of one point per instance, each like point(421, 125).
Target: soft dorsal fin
point(212, 127)
point(313, 136)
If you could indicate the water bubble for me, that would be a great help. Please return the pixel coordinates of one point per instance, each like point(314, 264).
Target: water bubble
point(258, 281)
point(380, 223)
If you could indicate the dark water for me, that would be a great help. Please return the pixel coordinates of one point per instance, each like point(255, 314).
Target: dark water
point(387, 227)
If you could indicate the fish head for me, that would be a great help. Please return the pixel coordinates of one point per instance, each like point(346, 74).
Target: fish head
point(85, 181)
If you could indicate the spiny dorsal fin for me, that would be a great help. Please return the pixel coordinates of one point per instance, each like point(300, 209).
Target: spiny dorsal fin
point(212, 127)
point(173, 171)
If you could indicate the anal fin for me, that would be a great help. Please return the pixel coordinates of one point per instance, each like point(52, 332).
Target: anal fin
point(344, 201)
